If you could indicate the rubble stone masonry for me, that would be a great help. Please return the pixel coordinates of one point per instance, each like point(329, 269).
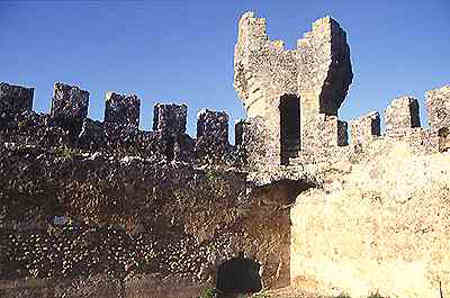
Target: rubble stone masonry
point(122, 109)
point(170, 118)
point(366, 128)
point(69, 102)
point(318, 72)
point(438, 107)
point(402, 113)
point(15, 99)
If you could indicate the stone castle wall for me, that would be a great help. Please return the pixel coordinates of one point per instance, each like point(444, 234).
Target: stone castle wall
point(172, 193)
point(68, 124)
point(317, 75)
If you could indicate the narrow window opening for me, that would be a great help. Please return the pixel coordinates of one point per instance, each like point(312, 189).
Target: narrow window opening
point(444, 139)
point(289, 127)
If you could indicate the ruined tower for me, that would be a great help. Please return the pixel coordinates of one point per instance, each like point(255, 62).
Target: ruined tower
point(296, 92)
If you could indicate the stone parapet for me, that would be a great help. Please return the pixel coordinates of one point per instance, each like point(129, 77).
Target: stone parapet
point(212, 133)
point(324, 131)
point(15, 99)
point(251, 135)
point(438, 107)
point(69, 102)
point(122, 109)
point(402, 113)
point(212, 124)
point(365, 128)
point(170, 118)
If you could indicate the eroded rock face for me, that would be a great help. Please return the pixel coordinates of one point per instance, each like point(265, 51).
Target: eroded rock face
point(382, 225)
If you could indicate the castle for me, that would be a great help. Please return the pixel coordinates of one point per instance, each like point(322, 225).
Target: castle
point(292, 99)
point(296, 94)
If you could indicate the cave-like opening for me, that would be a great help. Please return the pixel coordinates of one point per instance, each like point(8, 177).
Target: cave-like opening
point(238, 275)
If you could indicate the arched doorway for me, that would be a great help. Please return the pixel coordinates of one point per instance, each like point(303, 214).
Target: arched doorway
point(238, 275)
point(289, 127)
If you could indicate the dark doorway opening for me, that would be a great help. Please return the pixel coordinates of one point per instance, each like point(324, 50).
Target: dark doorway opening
point(444, 139)
point(239, 275)
point(289, 127)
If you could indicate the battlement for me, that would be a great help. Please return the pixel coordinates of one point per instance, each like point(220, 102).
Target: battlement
point(438, 107)
point(68, 124)
point(122, 109)
point(170, 118)
point(292, 98)
point(366, 128)
point(15, 99)
point(69, 102)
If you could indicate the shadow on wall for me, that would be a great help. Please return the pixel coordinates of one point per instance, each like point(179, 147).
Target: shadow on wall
point(238, 275)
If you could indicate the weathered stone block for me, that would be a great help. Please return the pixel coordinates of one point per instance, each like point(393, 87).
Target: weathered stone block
point(438, 107)
point(212, 134)
point(402, 113)
point(170, 118)
point(365, 128)
point(122, 109)
point(15, 99)
point(69, 102)
point(213, 124)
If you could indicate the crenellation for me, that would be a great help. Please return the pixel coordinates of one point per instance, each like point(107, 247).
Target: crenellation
point(122, 109)
point(15, 99)
point(317, 74)
point(438, 107)
point(291, 97)
point(69, 103)
point(212, 124)
point(401, 114)
point(170, 118)
point(366, 128)
point(212, 133)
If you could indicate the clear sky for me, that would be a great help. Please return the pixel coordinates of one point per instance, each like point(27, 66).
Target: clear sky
point(182, 51)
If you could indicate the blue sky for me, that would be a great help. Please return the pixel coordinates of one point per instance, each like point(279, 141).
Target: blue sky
point(182, 51)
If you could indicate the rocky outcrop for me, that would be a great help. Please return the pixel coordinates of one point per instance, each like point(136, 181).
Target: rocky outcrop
point(380, 227)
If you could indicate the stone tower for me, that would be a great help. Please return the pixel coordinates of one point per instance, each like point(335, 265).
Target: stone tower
point(297, 92)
